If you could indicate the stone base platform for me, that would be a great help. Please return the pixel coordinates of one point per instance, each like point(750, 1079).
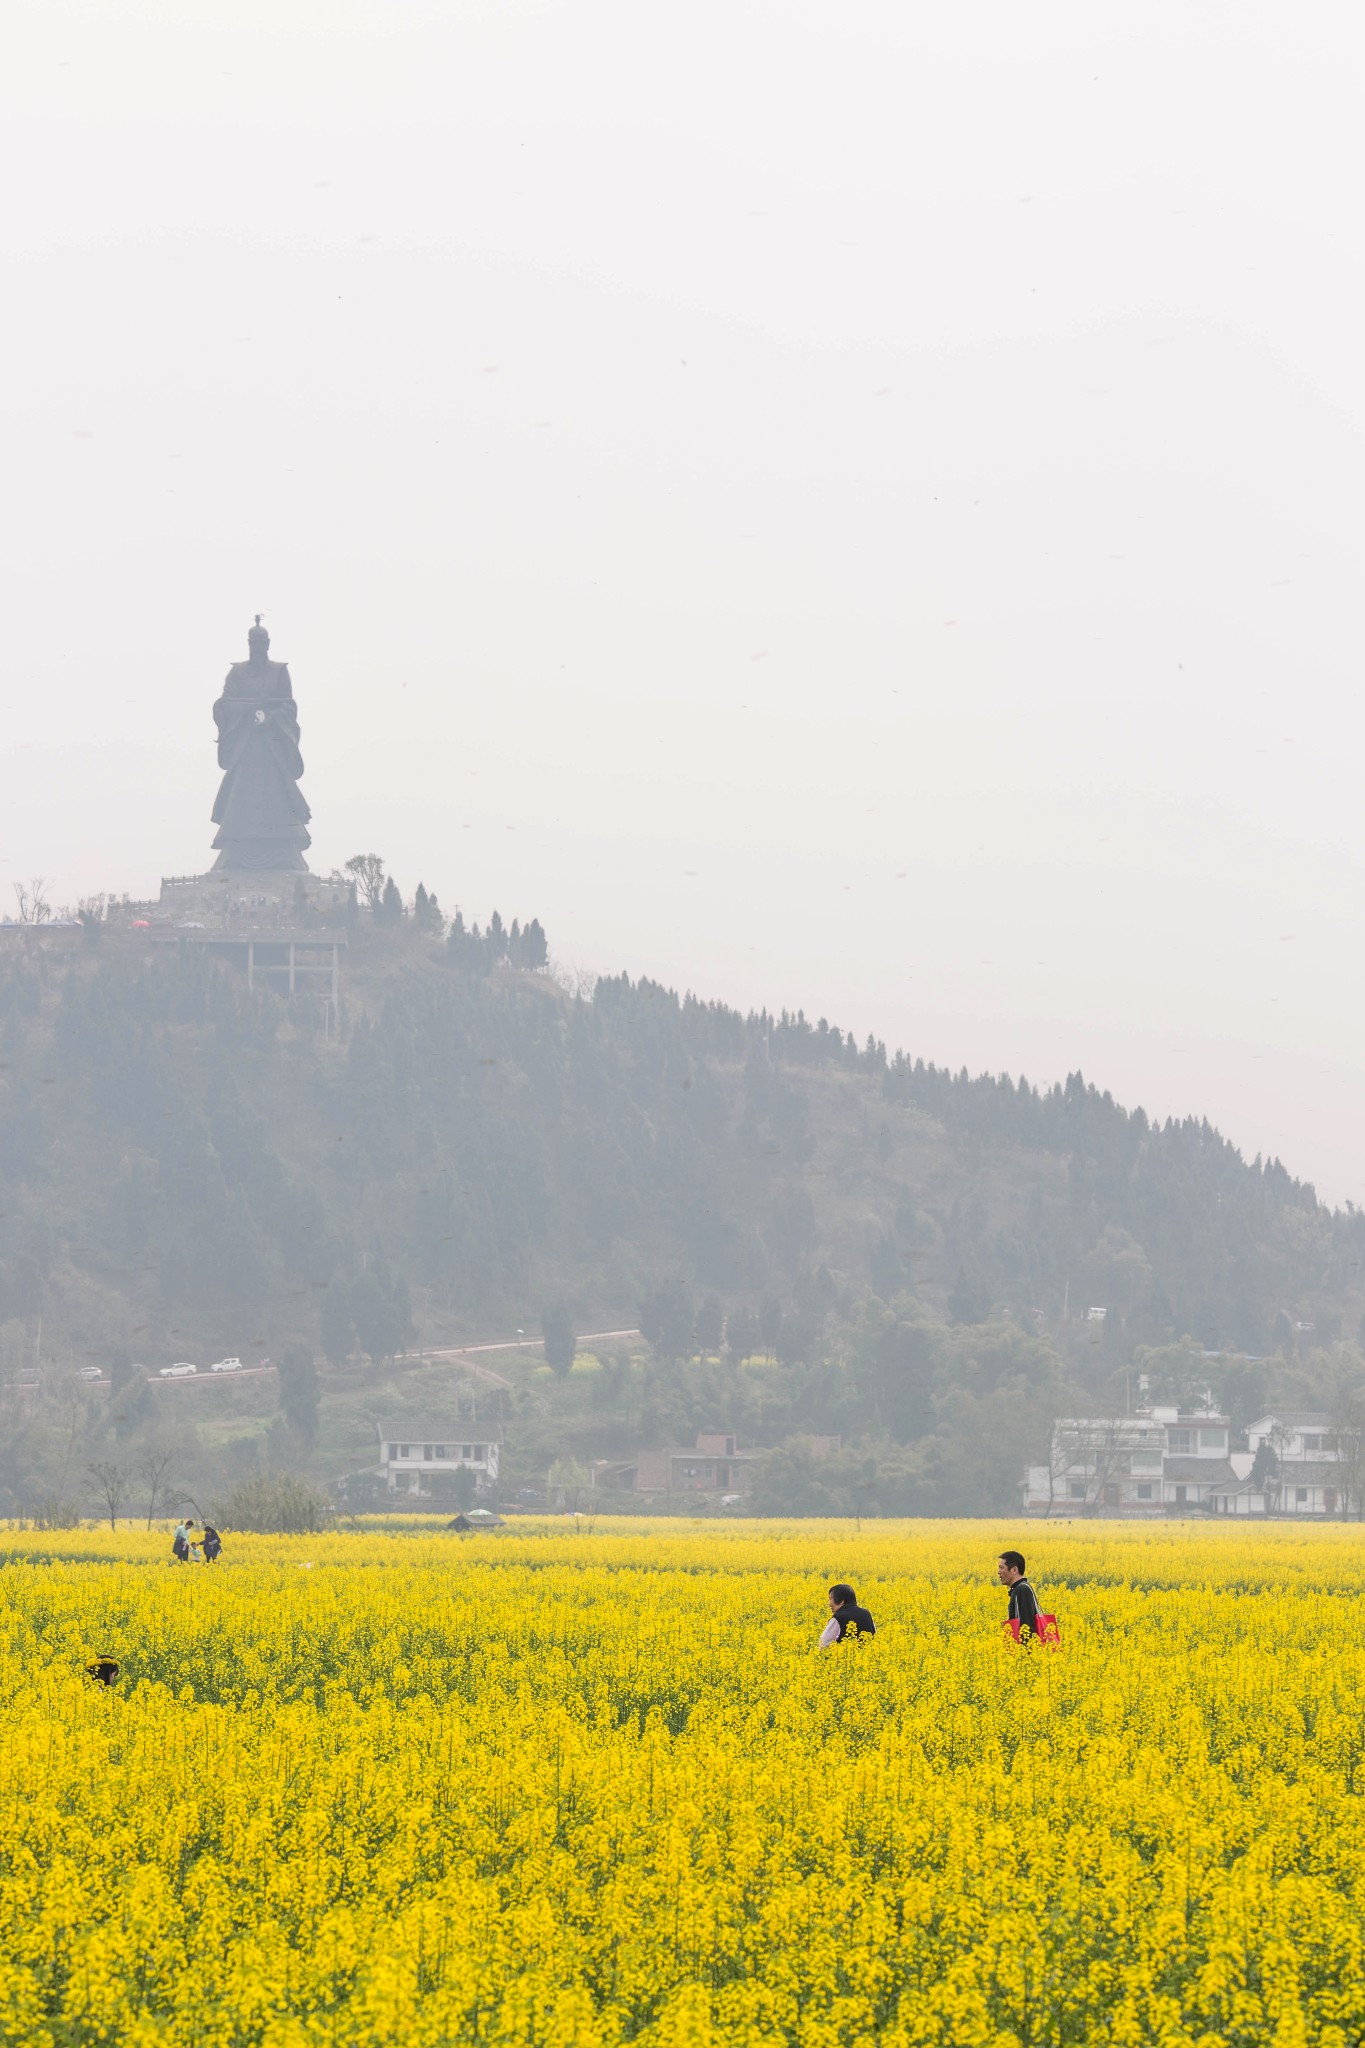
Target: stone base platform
point(258, 899)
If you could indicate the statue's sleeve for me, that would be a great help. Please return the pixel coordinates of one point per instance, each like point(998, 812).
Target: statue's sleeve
point(232, 718)
point(284, 730)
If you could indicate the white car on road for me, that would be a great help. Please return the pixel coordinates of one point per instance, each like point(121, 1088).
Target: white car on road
point(227, 1365)
point(176, 1372)
point(90, 1372)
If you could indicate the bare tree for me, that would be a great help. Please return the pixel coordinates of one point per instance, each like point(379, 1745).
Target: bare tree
point(1095, 1446)
point(1265, 1472)
point(1347, 1439)
point(1281, 1436)
point(75, 1421)
point(153, 1467)
point(1061, 1454)
point(565, 1481)
point(573, 979)
point(368, 870)
point(110, 1482)
point(34, 907)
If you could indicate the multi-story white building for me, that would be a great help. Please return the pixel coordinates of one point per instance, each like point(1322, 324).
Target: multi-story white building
point(413, 1453)
point(1143, 1464)
point(1162, 1462)
point(1311, 1473)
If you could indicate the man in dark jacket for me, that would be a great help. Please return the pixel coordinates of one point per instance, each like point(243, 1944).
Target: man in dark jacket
point(1023, 1602)
point(847, 1618)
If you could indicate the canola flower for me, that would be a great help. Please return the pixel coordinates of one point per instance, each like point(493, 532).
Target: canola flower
point(593, 1788)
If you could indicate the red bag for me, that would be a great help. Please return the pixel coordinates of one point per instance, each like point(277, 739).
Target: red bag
point(1047, 1631)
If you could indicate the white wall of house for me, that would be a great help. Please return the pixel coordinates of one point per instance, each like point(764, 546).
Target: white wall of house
point(405, 1463)
point(1293, 1437)
point(1162, 1462)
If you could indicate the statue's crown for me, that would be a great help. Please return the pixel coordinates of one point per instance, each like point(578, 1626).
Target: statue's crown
point(257, 638)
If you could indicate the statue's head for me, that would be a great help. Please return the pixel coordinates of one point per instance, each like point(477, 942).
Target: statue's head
point(257, 640)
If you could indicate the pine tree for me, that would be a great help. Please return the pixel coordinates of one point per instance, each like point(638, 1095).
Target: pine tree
point(298, 1384)
point(667, 1320)
point(338, 1324)
point(457, 941)
point(426, 913)
point(560, 1341)
point(741, 1334)
point(710, 1326)
point(382, 1316)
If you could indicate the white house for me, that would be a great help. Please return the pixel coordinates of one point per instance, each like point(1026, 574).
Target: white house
point(1312, 1477)
point(1160, 1461)
point(1151, 1463)
point(415, 1452)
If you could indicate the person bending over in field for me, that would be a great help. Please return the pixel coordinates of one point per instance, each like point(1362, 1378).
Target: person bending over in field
point(213, 1543)
point(104, 1671)
point(846, 1617)
point(1023, 1608)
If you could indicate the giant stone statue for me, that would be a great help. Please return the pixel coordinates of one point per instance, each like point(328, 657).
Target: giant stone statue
point(261, 814)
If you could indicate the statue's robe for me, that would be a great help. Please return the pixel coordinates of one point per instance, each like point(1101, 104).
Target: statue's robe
point(261, 814)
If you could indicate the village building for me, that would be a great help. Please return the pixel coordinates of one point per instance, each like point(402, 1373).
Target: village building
point(713, 1466)
point(421, 1455)
point(1309, 1474)
point(1165, 1462)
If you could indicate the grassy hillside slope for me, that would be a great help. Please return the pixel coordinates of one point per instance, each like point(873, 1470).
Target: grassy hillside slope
point(188, 1169)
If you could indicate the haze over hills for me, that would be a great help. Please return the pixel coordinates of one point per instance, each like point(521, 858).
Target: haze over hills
point(190, 1167)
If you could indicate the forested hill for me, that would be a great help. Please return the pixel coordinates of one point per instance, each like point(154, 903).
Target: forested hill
point(186, 1164)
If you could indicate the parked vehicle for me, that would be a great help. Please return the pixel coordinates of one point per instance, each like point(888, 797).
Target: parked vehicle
point(90, 1372)
point(176, 1372)
point(227, 1365)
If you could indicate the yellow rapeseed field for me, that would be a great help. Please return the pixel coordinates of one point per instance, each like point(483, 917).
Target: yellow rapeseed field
point(396, 1786)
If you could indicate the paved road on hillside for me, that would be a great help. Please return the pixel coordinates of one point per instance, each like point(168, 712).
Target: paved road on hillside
point(197, 1379)
point(524, 1344)
point(468, 1351)
point(461, 1351)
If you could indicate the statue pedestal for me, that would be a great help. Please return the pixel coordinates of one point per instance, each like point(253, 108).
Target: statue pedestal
point(256, 897)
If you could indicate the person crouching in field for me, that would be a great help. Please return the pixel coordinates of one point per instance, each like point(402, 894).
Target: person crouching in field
point(846, 1617)
point(1023, 1608)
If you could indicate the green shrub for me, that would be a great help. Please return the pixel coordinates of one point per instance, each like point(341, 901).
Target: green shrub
point(276, 1504)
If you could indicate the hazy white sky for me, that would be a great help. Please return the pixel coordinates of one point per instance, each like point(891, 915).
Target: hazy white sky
point(854, 508)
